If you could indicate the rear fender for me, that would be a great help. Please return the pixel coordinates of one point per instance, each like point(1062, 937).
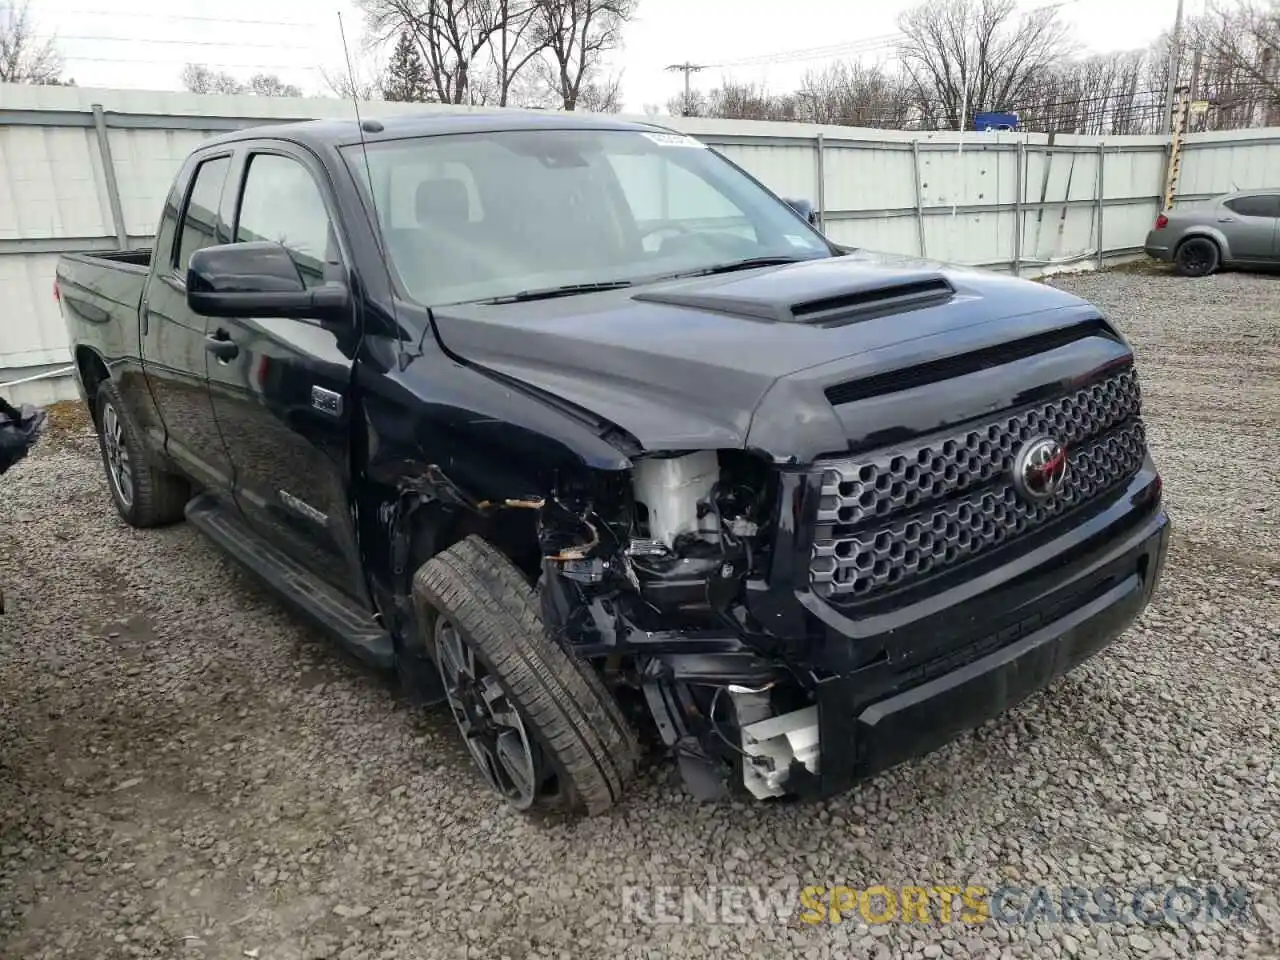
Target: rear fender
point(1211, 233)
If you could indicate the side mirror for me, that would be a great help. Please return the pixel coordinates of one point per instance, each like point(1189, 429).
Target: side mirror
point(259, 279)
point(805, 209)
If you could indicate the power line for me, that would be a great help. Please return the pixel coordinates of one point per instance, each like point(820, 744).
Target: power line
point(834, 50)
point(812, 53)
point(864, 45)
point(202, 63)
point(181, 43)
point(116, 14)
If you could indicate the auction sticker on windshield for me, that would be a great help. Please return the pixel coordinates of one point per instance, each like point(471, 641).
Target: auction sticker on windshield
point(674, 140)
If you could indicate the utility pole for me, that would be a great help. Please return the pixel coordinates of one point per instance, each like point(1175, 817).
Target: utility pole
point(1175, 55)
point(687, 69)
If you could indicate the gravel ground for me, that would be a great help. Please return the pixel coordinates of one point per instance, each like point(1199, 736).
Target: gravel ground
point(184, 771)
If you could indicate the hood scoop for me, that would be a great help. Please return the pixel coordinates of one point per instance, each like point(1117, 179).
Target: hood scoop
point(827, 292)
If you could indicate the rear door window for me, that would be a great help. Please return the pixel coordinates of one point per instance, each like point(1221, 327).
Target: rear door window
point(1261, 205)
point(198, 224)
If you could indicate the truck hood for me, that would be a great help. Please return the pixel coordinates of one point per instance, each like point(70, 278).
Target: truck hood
point(684, 365)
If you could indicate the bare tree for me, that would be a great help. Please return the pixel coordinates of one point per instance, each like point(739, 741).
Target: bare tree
point(692, 104)
point(748, 101)
point(197, 78)
point(269, 85)
point(601, 96)
point(339, 82)
point(24, 58)
point(450, 36)
point(1242, 48)
point(737, 101)
point(576, 34)
point(843, 93)
point(965, 56)
point(1108, 94)
point(954, 46)
point(854, 95)
point(514, 44)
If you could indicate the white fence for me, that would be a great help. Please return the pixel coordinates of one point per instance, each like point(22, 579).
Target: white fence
point(88, 169)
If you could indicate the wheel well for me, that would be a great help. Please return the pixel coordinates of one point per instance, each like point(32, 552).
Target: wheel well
point(512, 532)
point(408, 530)
point(1198, 236)
point(93, 371)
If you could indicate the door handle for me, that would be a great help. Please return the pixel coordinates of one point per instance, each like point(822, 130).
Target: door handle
point(1226, 219)
point(221, 346)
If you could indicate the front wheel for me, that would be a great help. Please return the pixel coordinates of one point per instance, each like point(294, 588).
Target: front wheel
point(1197, 257)
point(540, 725)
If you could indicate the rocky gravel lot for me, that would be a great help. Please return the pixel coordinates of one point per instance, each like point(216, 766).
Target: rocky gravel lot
point(185, 772)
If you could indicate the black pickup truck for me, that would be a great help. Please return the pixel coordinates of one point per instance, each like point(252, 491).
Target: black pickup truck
point(582, 431)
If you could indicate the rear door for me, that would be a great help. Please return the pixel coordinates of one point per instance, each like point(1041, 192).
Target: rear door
point(173, 336)
point(1249, 223)
point(282, 401)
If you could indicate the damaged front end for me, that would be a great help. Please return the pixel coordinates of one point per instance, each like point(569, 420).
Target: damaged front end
point(646, 574)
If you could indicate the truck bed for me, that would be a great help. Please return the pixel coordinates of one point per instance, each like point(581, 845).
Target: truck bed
point(117, 276)
point(136, 259)
point(101, 292)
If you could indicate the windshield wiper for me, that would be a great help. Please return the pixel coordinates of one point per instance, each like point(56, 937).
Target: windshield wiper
point(747, 264)
point(550, 293)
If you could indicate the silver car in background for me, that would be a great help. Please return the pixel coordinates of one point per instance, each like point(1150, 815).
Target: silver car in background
point(1239, 229)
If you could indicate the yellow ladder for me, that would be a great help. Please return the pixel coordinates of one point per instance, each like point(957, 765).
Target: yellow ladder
point(1175, 147)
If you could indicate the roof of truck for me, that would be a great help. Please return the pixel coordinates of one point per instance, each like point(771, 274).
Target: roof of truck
point(329, 133)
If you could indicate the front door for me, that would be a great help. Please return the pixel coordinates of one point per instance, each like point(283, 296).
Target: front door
point(173, 336)
point(1249, 223)
point(281, 394)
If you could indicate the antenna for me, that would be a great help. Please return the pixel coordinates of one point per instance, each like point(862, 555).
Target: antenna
point(402, 358)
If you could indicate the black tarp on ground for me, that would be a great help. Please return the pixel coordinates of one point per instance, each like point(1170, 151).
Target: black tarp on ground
point(19, 429)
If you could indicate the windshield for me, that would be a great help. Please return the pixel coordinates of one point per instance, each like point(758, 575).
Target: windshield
point(483, 216)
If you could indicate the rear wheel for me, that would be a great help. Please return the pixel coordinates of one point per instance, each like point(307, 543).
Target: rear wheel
point(1197, 257)
point(540, 725)
point(144, 494)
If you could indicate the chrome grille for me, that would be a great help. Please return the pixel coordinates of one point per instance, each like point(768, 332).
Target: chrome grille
point(892, 516)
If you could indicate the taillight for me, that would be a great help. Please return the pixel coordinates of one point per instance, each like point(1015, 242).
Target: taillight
point(57, 294)
point(1161, 222)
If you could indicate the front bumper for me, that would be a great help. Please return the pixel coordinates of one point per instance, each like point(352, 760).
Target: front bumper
point(852, 689)
point(863, 732)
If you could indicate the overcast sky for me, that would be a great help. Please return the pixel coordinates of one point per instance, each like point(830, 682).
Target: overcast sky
point(144, 43)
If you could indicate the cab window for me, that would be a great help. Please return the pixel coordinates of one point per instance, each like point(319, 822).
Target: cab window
point(197, 227)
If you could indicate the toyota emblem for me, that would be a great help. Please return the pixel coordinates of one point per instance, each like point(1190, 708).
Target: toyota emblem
point(1040, 469)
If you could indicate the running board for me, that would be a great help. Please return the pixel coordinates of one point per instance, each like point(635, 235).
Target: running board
point(319, 603)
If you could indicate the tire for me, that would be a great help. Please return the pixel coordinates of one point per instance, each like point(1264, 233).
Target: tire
point(144, 494)
point(586, 752)
point(1197, 257)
